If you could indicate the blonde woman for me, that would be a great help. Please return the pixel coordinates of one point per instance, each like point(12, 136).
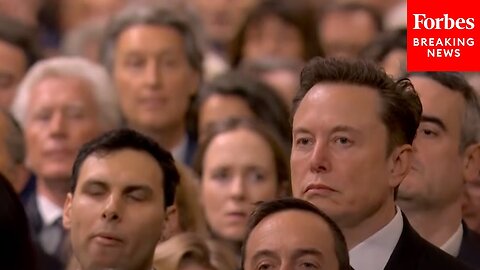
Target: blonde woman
point(190, 251)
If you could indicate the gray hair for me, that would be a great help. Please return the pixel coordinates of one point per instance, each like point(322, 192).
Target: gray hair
point(75, 41)
point(91, 73)
point(183, 22)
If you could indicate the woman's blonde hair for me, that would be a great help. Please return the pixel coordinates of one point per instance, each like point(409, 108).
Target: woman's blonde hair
point(189, 214)
point(193, 248)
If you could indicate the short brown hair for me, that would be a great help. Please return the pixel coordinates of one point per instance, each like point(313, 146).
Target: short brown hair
point(401, 108)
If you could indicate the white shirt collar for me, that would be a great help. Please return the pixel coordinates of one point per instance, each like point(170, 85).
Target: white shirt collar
point(49, 211)
point(375, 251)
point(452, 246)
point(180, 150)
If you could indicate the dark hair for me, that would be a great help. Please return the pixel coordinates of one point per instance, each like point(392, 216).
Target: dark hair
point(20, 36)
point(400, 105)
point(456, 82)
point(280, 153)
point(385, 43)
point(266, 209)
point(155, 16)
point(352, 7)
point(299, 13)
point(17, 247)
point(125, 138)
point(262, 100)
point(14, 142)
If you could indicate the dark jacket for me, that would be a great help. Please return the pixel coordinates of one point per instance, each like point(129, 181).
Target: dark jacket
point(470, 248)
point(413, 252)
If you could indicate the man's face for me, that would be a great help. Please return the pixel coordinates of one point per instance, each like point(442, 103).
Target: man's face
point(306, 242)
point(273, 37)
point(222, 18)
point(436, 177)
point(62, 115)
point(153, 76)
point(346, 34)
point(13, 65)
point(116, 214)
point(339, 156)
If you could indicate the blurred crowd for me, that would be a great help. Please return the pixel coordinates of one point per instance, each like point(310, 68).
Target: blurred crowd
point(218, 99)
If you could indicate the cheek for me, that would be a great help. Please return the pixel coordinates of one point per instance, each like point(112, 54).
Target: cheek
point(212, 194)
point(264, 191)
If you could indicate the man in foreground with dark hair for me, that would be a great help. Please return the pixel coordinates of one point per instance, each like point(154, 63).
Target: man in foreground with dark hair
point(353, 129)
point(293, 234)
point(122, 183)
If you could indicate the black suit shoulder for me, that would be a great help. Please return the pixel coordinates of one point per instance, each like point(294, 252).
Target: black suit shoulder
point(414, 252)
point(470, 248)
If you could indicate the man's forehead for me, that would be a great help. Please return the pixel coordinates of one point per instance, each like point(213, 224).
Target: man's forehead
point(121, 166)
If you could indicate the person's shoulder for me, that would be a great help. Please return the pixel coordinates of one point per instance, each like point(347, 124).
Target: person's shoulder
point(470, 248)
point(414, 252)
point(435, 258)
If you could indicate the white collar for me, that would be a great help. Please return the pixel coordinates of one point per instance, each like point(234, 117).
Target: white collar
point(375, 251)
point(49, 211)
point(179, 152)
point(452, 245)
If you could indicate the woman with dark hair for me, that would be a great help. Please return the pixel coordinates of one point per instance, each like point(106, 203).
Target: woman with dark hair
point(235, 94)
point(280, 29)
point(18, 251)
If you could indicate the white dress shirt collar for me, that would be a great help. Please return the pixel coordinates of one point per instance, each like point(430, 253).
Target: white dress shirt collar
point(375, 251)
point(452, 246)
point(49, 211)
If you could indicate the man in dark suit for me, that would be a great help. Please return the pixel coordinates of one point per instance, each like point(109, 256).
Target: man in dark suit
point(156, 64)
point(446, 156)
point(353, 129)
point(60, 104)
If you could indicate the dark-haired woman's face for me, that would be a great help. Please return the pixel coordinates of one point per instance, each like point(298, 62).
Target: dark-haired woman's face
point(272, 37)
point(238, 171)
point(220, 107)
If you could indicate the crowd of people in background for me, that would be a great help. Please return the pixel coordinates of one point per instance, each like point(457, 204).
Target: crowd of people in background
point(228, 135)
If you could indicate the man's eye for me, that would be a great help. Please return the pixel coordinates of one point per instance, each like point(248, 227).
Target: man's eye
point(137, 196)
point(428, 132)
point(344, 141)
point(302, 141)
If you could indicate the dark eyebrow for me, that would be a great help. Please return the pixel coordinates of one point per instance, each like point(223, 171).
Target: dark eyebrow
point(91, 182)
point(300, 130)
point(95, 182)
point(434, 120)
point(307, 251)
point(143, 188)
point(263, 253)
point(344, 128)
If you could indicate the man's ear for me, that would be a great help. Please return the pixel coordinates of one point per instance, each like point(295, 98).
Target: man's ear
point(67, 211)
point(172, 223)
point(400, 162)
point(471, 162)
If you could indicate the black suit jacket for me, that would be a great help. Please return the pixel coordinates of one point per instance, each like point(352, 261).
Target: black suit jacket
point(45, 261)
point(470, 248)
point(412, 252)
